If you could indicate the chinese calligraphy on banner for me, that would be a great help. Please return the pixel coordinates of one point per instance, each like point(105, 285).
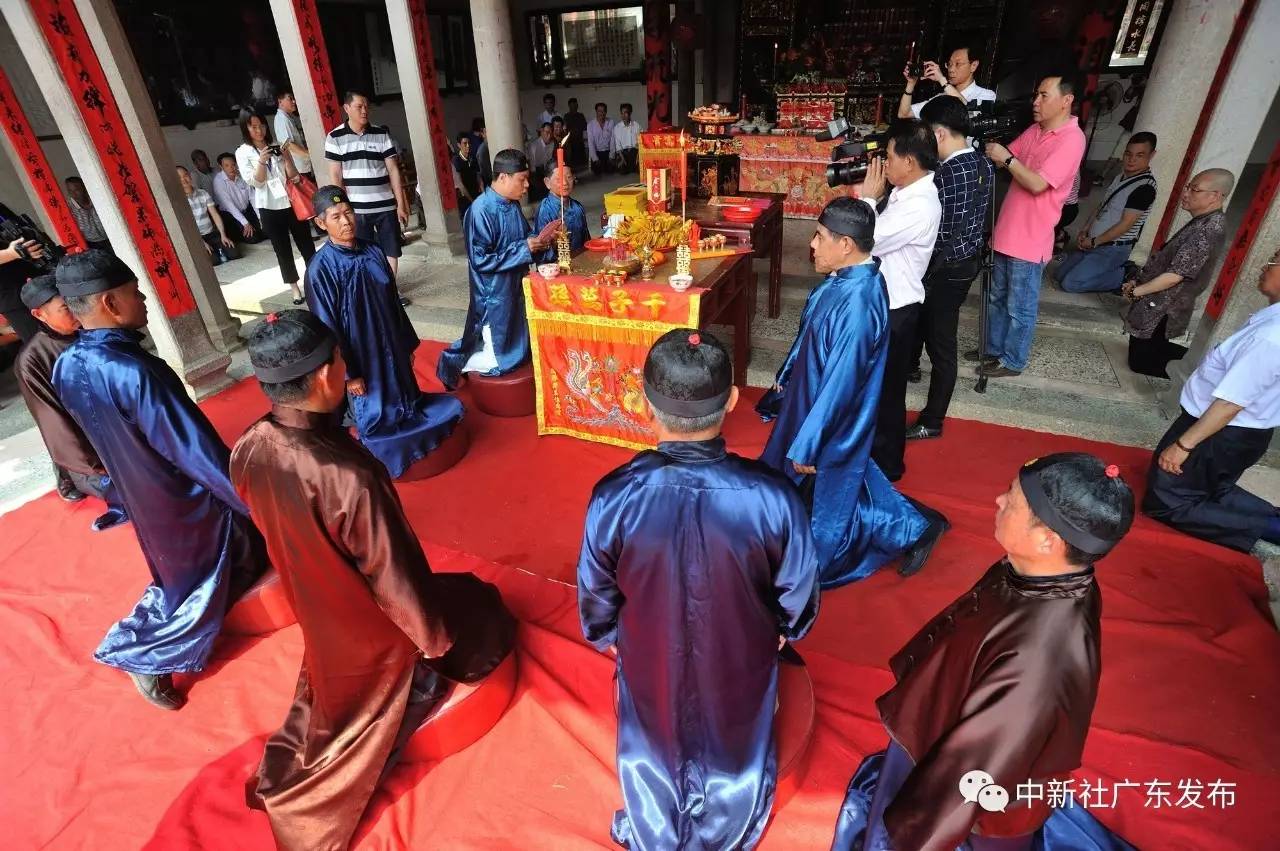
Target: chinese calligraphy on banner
point(1137, 32)
point(589, 343)
point(318, 62)
point(27, 147)
point(435, 112)
point(74, 54)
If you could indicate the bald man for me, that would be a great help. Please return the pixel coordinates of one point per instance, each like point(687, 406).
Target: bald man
point(1163, 294)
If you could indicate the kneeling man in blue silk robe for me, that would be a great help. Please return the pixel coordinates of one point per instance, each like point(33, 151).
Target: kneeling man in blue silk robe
point(351, 288)
point(500, 248)
point(169, 468)
point(696, 566)
point(575, 215)
point(994, 695)
point(827, 392)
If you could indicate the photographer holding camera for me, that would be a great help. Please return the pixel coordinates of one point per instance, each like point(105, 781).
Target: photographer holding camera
point(964, 179)
point(958, 82)
point(906, 229)
point(1042, 161)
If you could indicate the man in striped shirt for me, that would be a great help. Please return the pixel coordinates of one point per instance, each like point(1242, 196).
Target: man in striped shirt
point(363, 160)
point(1104, 243)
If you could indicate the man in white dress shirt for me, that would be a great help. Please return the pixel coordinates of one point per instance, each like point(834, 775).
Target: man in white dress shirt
point(234, 198)
point(1230, 407)
point(600, 141)
point(958, 82)
point(626, 141)
point(548, 109)
point(289, 134)
point(906, 230)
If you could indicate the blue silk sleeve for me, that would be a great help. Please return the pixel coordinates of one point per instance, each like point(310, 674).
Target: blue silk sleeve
point(599, 598)
point(320, 300)
point(493, 251)
point(796, 581)
point(182, 434)
point(842, 375)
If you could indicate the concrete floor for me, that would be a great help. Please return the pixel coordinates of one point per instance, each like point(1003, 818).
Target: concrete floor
point(1077, 382)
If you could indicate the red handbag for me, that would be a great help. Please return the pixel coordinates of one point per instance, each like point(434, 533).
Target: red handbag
point(300, 194)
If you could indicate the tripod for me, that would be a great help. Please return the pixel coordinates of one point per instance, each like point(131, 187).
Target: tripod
point(984, 275)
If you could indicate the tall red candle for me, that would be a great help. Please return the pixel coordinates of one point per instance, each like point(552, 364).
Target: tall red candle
point(684, 174)
point(879, 108)
point(560, 165)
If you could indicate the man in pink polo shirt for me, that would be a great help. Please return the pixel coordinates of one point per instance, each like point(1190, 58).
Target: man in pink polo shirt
point(1042, 162)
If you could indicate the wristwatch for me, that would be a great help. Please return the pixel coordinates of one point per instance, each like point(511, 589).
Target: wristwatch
point(1008, 160)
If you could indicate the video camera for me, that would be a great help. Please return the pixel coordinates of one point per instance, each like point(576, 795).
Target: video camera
point(15, 226)
point(998, 121)
point(849, 160)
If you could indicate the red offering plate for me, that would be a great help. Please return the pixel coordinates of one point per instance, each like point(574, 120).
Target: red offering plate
point(598, 244)
point(739, 214)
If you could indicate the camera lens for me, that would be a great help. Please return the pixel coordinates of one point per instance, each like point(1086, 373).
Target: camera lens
point(846, 174)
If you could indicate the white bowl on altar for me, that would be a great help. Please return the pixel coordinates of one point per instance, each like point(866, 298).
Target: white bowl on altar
point(548, 270)
point(680, 283)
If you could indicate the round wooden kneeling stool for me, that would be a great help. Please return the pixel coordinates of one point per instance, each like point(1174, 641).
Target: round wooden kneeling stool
point(510, 395)
point(793, 726)
point(263, 608)
point(450, 451)
point(470, 712)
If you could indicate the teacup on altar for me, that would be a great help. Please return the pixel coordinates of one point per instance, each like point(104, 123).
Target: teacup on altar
point(548, 270)
point(680, 283)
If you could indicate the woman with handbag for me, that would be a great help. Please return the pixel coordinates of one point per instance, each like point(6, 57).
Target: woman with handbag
point(1162, 296)
point(276, 183)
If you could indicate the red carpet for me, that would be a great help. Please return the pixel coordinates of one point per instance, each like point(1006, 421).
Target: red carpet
point(1189, 690)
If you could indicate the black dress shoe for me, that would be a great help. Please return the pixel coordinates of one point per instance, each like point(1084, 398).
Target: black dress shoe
point(404, 302)
point(159, 690)
point(68, 491)
point(111, 517)
point(995, 369)
point(972, 355)
point(922, 432)
point(915, 557)
point(915, 376)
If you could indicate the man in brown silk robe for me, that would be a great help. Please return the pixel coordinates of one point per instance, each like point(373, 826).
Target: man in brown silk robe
point(384, 636)
point(76, 464)
point(998, 689)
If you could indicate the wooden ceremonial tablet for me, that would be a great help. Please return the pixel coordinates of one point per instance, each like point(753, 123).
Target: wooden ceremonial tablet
point(510, 395)
point(793, 727)
point(263, 608)
point(444, 456)
point(470, 712)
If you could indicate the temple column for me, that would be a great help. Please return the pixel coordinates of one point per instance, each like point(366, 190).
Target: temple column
point(78, 55)
point(657, 64)
point(1191, 50)
point(496, 70)
point(307, 60)
point(411, 40)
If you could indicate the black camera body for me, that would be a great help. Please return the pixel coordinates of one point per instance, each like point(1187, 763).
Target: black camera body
point(21, 227)
point(274, 149)
point(998, 121)
point(849, 161)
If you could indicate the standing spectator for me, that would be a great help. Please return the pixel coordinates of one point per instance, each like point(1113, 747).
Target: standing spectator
point(289, 135)
point(1107, 237)
point(363, 160)
point(1070, 209)
point(265, 168)
point(600, 141)
point(208, 221)
point(1230, 408)
point(958, 82)
point(557, 132)
point(81, 207)
point(626, 141)
point(964, 179)
point(548, 109)
point(906, 230)
point(542, 157)
point(1043, 161)
point(203, 175)
point(464, 165)
point(484, 164)
point(1164, 293)
point(236, 199)
point(576, 125)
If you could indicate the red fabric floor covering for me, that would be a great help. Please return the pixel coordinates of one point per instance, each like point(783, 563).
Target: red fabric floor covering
point(1189, 687)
